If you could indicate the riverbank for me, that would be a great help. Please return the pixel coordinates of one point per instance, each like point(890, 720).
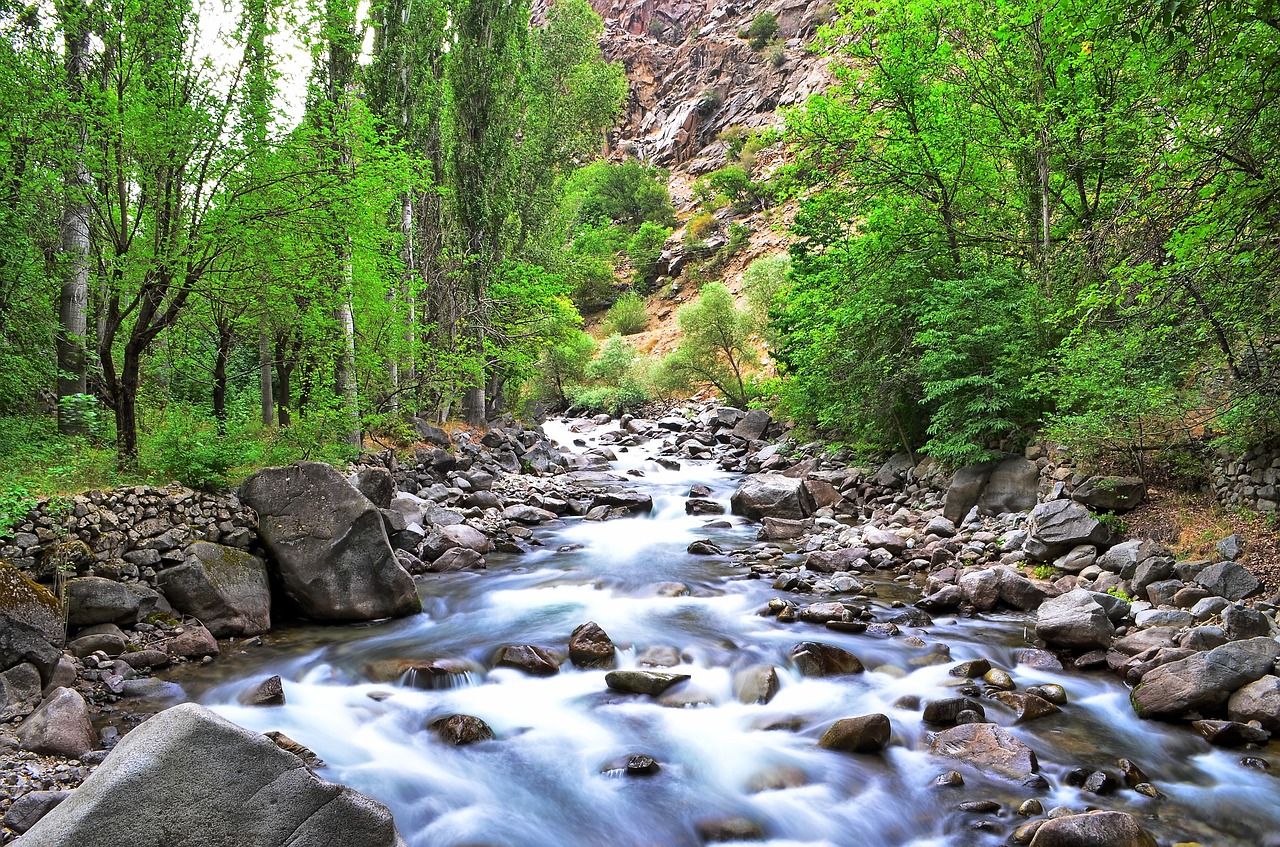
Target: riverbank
point(872, 539)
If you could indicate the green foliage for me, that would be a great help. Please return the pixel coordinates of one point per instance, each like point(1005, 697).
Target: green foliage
point(699, 227)
point(733, 186)
point(1045, 572)
point(562, 365)
point(1119, 593)
point(645, 251)
point(709, 100)
point(15, 504)
point(714, 347)
point(627, 194)
point(776, 54)
point(763, 282)
point(763, 28)
point(739, 237)
point(186, 446)
point(627, 316)
point(618, 380)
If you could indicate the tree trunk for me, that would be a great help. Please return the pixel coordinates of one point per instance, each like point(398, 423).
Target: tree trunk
point(347, 371)
point(223, 354)
point(285, 363)
point(73, 300)
point(264, 377)
point(126, 408)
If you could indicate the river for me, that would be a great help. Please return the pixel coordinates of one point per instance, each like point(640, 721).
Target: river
point(552, 777)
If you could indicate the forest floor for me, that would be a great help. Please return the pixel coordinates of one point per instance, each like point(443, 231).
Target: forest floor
point(1191, 524)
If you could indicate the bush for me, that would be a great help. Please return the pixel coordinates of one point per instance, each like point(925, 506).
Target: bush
point(627, 316)
point(776, 54)
point(708, 101)
point(763, 29)
point(739, 237)
point(763, 281)
point(625, 194)
point(700, 226)
point(187, 447)
point(645, 249)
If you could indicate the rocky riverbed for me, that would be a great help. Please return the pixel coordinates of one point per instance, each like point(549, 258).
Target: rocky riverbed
point(882, 552)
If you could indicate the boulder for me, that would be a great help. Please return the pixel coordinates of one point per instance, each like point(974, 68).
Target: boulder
point(377, 485)
point(529, 658)
point(225, 587)
point(329, 545)
point(1230, 733)
point(60, 727)
point(1231, 547)
point(194, 642)
point(989, 747)
point(772, 495)
point(784, 529)
point(94, 599)
point(460, 730)
point(431, 433)
point(31, 625)
point(20, 690)
point(31, 807)
point(965, 490)
point(865, 734)
point(981, 588)
point(1229, 580)
point(269, 692)
point(1203, 681)
point(813, 658)
point(1111, 493)
point(1125, 556)
point(753, 425)
point(1258, 701)
point(525, 514)
point(1096, 829)
point(466, 537)
point(757, 684)
point(652, 683)
point(190, 775)
point(882, 539)
point(457, 559)
point(591, 647)
point(1075, 620)
point(1060, 525)
point(1013, 487)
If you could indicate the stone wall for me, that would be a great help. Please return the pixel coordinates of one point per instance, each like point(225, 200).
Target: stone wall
point(130, 533)
point(1251, 480)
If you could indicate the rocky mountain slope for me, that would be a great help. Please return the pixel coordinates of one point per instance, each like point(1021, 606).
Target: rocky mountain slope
point(693, 75)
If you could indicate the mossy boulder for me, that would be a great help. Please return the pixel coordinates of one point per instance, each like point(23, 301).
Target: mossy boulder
point(32, 628)
point(225, 587)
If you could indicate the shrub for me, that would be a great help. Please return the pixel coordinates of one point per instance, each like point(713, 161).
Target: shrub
point(186, 446)
point(763, 280)
point(739, 237)
point(700, 226)
point(776, 54)
point(708, 101)
point(645, 249)
point(626, 194)
point(627, 316)
point(763, 29)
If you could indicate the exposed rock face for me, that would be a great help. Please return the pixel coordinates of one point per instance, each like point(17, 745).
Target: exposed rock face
point(226, 588)
point(329, 544)
point(772, 495)
point(692, 76)
point(189, 771)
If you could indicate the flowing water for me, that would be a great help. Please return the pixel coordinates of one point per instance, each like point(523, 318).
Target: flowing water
point(553, 776)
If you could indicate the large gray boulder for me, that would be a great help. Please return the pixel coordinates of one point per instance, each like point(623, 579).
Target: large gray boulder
point(1111, 493)
point(188, 776)
point(1096, 829)
point(94, 600)
point(1059, 525)
point(1076, 620)
point(60, 727)
point(226, 588)
point(1258, 701)
point(753, 426)
point(1229, 580)
point(31, 626)
point(965, 490)
point(772, 495)
point(1013, 487)
point(1204, 681)
point(329, 544)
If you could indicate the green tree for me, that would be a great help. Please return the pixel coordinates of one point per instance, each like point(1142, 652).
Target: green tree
point(714, 347)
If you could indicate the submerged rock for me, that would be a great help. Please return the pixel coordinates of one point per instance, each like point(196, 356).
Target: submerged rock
point(865, 734)
point(989, 747)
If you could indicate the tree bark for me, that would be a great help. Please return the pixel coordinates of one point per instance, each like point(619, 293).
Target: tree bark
point(264, 377)
point(73, 300)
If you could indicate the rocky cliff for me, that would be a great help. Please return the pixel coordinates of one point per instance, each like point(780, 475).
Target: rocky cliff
point(693, 75)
